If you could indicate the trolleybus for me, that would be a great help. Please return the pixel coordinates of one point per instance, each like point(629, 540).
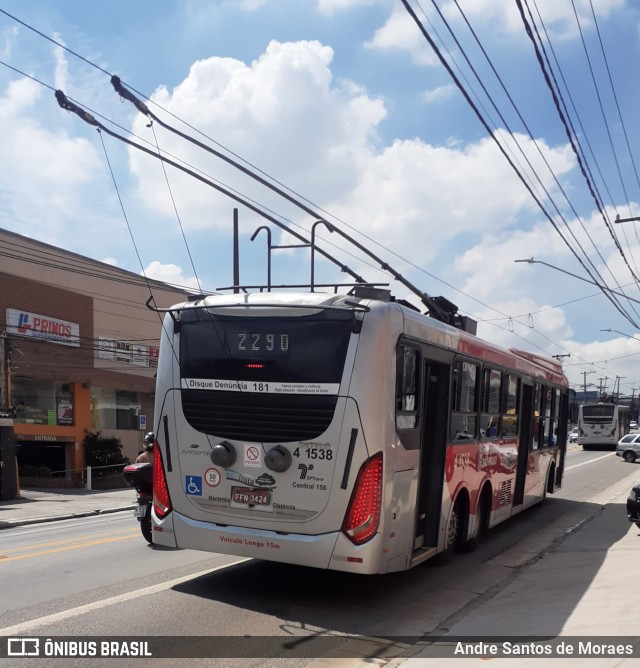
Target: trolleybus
point(346, 432)
point(602, 424)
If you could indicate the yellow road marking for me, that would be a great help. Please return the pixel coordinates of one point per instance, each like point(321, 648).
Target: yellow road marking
point(71, 539)
point(77, 546)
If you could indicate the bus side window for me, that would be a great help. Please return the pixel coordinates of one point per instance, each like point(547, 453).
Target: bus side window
point(407, 360)
point(511, 387)
point(464, 415)
point(537, 420)
point(549, 412)
point(490, 409)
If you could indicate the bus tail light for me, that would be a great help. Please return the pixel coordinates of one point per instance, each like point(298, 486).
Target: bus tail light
point(161, 500)
point(363, 514)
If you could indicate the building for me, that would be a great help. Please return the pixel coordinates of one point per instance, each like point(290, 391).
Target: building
point(78, 351)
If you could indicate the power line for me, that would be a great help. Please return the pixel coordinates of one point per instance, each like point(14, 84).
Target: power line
point(513, 136)
point(86, 60)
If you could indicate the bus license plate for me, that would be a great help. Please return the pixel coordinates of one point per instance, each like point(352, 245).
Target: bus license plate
point(140, 511)
point(251, 497)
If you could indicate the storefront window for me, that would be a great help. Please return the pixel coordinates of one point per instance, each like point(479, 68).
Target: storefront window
point(114, 409)
point(42, 402)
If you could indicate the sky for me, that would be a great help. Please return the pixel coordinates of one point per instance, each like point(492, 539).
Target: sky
point(449, 171)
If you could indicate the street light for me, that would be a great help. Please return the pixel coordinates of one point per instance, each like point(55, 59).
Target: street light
point(604, 288)
point(621, 333)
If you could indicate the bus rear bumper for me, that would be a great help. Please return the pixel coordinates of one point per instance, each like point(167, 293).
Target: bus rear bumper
point(328, 551)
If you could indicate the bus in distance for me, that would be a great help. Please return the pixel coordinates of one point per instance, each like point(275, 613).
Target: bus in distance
point(602, 424)
point(345, 431)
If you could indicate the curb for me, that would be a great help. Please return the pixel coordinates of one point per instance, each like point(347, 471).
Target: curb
point(10, 524)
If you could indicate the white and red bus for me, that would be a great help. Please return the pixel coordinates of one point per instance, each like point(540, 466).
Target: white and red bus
point(345, 432)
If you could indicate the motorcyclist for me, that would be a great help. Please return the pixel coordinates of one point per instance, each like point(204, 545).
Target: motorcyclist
point(146, 456)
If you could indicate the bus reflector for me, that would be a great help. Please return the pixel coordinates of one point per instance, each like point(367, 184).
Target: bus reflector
point(363, 514)
point(161, 500)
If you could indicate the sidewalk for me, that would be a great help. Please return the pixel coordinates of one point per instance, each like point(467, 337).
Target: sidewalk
point(579, 590)
point(49, 505)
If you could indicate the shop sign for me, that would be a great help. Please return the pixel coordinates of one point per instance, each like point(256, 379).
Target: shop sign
point(139, 355)
point(129, 353)
point(45, 438)
point(106, 348)
point(43, 327)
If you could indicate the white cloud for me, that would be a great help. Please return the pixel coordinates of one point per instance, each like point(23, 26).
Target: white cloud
point(61, 73)
point(331, 7)
point(415, 198)
point(439, 94)
point(252, 5)
point(45, 191)
point(170, 273)
point(401, 33)
point(283, 112)
point(558, 17)
point(9, 36)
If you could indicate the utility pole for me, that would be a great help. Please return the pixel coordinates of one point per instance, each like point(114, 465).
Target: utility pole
point(5, 382)
point(617, 394)
point(584, 383)
point(634, 414)
point(602, 388)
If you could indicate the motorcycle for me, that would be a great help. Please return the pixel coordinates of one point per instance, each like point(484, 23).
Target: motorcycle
point(140, 476)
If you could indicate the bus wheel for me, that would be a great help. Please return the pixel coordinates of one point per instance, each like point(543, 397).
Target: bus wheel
point(629, 456)
point(550, 474)
point(146, 526)
point(452, 537)
point(471, 544)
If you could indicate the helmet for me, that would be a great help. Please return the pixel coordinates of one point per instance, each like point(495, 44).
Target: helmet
point(149, 438)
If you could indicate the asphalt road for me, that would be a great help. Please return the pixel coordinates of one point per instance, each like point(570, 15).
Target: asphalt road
point(97, 576)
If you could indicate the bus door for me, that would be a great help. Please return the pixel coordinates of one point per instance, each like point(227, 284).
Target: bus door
point(433, 448)
point(562, 437)
point(524, 442)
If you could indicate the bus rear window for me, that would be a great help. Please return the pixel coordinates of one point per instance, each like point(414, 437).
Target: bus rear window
point(598, 412)
point(288, 349)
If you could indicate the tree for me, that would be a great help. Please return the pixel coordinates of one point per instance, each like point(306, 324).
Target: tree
point(100, 451)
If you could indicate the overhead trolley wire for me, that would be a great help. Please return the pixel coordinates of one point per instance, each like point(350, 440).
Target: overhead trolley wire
point(570, 122)
point(599, 98)
point(547, 78)
point(68, 105)
point(484, 123)
point(62, 46)
point(583, 131)
point(535, 142)
point(622, 123)
point(246, 162)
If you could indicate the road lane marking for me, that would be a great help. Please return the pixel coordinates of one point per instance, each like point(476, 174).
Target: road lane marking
point(24, 627)
point(40, 553)
point(71, 539)
point(575, 466)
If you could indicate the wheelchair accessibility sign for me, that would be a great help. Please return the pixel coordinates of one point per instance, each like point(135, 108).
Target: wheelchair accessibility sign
point(193, 485)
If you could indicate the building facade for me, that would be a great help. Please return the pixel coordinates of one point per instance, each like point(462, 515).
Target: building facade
point(78, 351)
